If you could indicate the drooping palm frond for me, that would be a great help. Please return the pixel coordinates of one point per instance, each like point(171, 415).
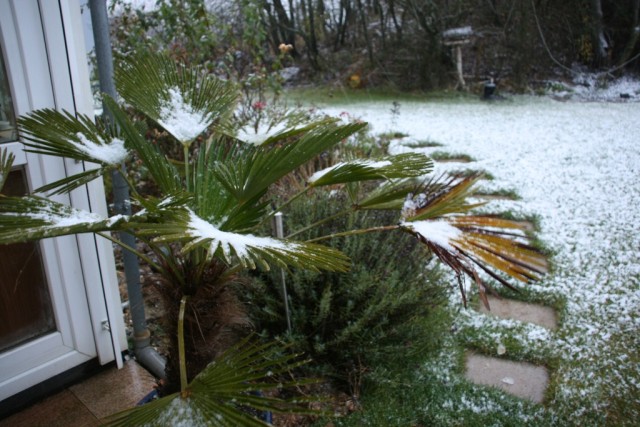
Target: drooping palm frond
point(6, 163)
point(183, 225)
point(221, 394)
point(184, 101)
point(467, 242)
point(30, 218)
point(406, 165)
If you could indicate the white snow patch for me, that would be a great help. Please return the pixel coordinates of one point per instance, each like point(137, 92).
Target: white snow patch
point(179, 413)
point(241, 243)
point(112, 153)
point(180, 118)
point(257, 136)
point(576, 166)
point(74, 217)
point(508, 381)
point(439, 232)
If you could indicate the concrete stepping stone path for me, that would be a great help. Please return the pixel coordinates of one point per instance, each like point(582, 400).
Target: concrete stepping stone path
point(522, 311)
point(520, 379)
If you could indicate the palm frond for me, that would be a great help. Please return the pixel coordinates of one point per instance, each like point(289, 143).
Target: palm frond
point(442, 196)
point(388, 196)
point(72, 182)
point(164, 174)
point(406, 165)
point(61, 134)
point(271, 133)
point(215, 202)
point(184, 101)
point(31, 218)
point(467, 242)
point(221, 394)
point(6, 163)
point(183, 225)
point(250, 175)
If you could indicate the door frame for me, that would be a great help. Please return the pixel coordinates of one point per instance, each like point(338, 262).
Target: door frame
point(43, 44)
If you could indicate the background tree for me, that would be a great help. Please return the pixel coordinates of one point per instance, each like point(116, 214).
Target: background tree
point(392, 42)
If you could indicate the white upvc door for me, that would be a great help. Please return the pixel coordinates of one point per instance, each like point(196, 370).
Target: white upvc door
point(43, 49)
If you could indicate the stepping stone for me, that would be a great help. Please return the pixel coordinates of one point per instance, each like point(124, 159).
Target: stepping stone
point(522, 311)
point(520, 379)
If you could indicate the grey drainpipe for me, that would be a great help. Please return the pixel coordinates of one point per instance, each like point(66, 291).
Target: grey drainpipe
point(145, 354)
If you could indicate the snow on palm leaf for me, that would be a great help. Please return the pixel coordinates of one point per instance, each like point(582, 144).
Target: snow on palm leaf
point(184, 101)
point(467, 242)
point(181, 119)
point(62, 134)
point(406, 165)
point(112, 153)
point(249, 249)
point(261, 133)
point(31, 217)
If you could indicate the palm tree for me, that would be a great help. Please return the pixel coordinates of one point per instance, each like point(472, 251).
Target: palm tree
point(202, 223)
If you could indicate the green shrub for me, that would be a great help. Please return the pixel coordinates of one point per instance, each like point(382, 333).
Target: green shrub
point(345, 321)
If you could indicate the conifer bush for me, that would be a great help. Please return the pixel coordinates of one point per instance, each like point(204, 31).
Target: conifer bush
point(345, 321)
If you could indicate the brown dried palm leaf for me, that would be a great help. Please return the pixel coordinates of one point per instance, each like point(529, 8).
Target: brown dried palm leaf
point(465, 243)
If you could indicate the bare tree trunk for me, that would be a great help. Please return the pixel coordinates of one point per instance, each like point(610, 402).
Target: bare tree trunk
point(600, 45)
point(383, 25)
point(397, 26)
point(313, 42)
point(343, 23)
point(365, 30)
point(285, 24)
point(634, 36)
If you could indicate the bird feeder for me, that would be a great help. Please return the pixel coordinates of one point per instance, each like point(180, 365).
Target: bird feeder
point(456, 38)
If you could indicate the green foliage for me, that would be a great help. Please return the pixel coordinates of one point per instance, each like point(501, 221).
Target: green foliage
point(199, 224)
point(346, 321)
point(235, 379)
point(227, 40)
point(205, 224)
point(443, 156)
point(6, 161)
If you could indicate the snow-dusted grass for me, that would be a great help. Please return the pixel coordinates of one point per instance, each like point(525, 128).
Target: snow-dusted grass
point(576, 166)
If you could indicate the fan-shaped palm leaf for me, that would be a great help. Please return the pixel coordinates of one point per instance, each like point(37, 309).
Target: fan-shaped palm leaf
point(400, 166)
point(466, 242)
point(216, 396)
point(183, 225)
point(184, 101)
point(61, 134)
point(255, 170)
point(30, 218)
point(271, 133)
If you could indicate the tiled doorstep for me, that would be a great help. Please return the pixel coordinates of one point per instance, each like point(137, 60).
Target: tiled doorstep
point(86, 403)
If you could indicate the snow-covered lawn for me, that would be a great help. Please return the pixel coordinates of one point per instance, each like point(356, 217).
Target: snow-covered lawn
point(576, 166)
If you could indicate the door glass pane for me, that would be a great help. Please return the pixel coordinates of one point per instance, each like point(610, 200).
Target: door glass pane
point(25, 305)
point(7, 118)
